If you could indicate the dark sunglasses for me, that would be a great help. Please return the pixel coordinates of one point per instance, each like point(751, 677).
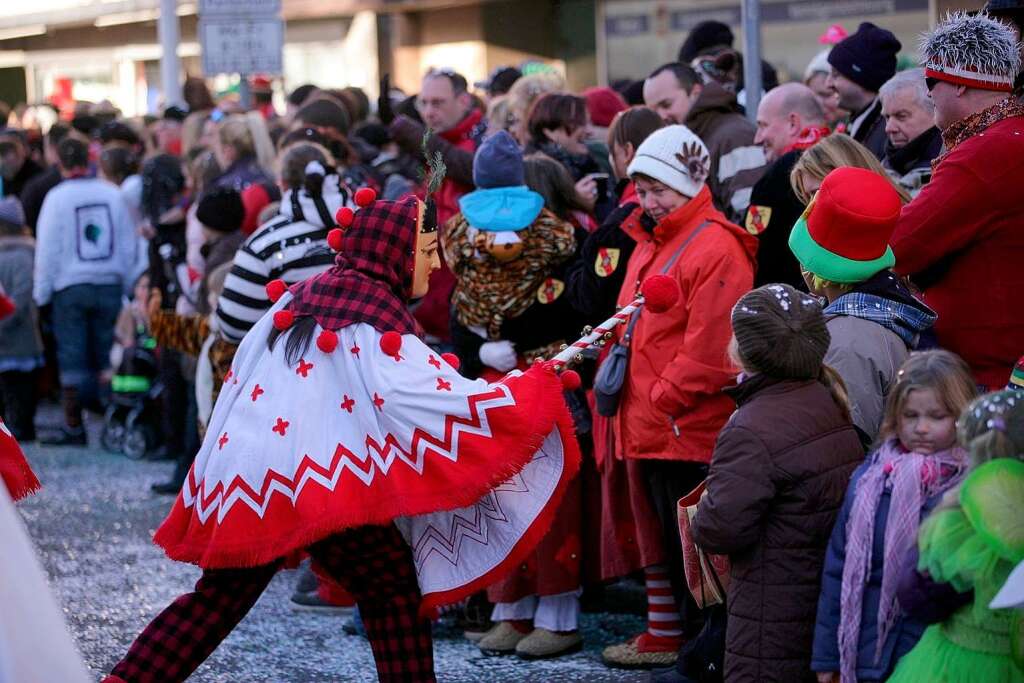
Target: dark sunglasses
point(930, 82)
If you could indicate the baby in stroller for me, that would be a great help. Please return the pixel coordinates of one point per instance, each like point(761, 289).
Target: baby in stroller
point(131, 424)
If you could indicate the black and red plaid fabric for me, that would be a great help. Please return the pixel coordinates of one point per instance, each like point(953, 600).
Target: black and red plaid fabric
point(372, 277)
point(373, 563)
point(181, 637)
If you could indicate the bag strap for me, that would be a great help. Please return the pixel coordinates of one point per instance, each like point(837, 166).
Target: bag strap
point(668, 264)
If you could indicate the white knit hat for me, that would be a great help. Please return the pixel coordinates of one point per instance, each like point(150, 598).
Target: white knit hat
point(674, 156)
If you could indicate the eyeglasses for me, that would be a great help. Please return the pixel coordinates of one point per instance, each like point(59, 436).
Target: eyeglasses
point(930, 82)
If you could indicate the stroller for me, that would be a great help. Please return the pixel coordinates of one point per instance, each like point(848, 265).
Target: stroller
point(131, 424)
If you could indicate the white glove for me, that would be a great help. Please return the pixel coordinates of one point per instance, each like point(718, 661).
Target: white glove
point(500, 355)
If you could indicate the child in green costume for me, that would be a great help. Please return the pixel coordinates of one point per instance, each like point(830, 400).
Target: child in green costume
point(973, 541)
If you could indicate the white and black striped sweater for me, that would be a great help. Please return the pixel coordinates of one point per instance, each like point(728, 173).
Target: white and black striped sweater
point(291, 246)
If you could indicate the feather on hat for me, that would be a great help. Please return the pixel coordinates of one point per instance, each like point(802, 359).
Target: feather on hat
point(975, 51)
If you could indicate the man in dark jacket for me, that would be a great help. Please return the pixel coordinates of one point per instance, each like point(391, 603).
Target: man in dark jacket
point(789, 120)
point(35, 190)
point(914, 141)
point(861, 63)
point(675, 91)
point(16, 166)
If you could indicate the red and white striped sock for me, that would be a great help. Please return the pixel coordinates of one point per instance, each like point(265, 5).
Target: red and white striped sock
point(662, 612)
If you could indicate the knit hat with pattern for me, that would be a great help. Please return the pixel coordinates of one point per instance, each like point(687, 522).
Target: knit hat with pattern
point(675, 156)
point(780, 332)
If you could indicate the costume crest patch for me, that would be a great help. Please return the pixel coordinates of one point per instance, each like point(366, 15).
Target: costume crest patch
point(758, 218)
point(550, 290)
point(606, 262)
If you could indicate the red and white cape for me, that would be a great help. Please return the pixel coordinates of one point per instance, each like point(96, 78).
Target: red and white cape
point(470, 472)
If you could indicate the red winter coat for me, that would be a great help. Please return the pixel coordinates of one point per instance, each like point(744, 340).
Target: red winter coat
point(962, 240)
point(672, 405)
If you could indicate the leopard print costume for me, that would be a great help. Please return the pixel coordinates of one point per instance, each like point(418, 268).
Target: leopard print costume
point(488, 292)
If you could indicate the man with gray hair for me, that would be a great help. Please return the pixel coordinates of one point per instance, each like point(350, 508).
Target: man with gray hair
point(960, 239)
point(914, 141)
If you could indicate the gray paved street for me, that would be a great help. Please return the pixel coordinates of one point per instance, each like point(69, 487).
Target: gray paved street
point(92, 525)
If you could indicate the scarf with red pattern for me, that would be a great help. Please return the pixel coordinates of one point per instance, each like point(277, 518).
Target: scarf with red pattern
point(808, 138)
point(970, 126)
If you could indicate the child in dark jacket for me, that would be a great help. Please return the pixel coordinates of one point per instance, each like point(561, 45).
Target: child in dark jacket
point(861, 630)
point(776, 483)
point(594, 279)
point(21, 347)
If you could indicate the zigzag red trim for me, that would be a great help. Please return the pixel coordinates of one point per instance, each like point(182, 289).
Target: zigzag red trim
point(390, 442)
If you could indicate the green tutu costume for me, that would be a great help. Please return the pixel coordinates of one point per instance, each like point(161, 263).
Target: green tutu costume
point(973, 546)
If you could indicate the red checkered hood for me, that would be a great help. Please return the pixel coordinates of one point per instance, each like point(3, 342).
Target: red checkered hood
point(372, 276)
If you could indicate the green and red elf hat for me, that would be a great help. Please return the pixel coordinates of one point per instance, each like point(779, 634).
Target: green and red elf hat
point(843, 235)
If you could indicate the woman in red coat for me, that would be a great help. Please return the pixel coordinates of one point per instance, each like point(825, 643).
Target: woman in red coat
point(672, 404)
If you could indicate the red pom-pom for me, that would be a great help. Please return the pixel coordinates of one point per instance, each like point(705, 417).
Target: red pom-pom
point(327, 341)
point(334, 238)
point(571, 380)
point(276, 289)
point(283, 319)
point(661, 293)
point(452, 360)
point(365, 196)
point(345, 216)
point(391, 343)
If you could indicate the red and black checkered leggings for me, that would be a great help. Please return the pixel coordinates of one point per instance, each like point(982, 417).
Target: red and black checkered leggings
point(372, 562)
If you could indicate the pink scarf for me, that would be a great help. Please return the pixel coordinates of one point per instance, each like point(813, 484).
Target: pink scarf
point(912, 479)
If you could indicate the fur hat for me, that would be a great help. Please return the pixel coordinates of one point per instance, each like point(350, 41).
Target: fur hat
point(674, 156)
point(781, 332)
point(976, 51)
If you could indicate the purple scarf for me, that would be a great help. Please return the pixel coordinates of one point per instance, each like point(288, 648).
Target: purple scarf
point(912, 479)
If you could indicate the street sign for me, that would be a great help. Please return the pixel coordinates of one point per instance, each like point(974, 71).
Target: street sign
point(239, 7)
point(241, 45)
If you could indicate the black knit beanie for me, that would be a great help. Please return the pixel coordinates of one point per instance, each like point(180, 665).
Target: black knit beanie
point(705, 35)
point(221, 209)
point(868, 57)
point(780, 332)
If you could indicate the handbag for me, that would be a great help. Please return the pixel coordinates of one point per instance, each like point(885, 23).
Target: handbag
point(611, 376)
point(707, 575)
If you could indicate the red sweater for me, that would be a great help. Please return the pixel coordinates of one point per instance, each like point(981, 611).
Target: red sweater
point(962, 240)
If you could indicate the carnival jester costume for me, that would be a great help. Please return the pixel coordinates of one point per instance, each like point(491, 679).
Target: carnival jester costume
point(339, 433)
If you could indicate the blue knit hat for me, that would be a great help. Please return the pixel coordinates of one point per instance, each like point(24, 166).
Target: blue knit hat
point(868, 57)
point(11, 213)
point(498, 163)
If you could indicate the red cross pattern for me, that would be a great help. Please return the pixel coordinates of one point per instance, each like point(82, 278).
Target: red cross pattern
point(223, 440)
point(347, 403)
point(257, 391)
point(303, 368)
point(443, 386)
point(378, 402)
point(281, 427)
point(355, 350)
point(434, 361)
